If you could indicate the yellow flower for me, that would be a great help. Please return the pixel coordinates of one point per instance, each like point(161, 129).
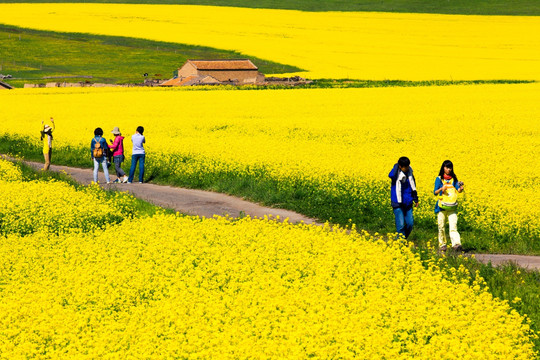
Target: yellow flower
point(171, 286)
point(341, 142)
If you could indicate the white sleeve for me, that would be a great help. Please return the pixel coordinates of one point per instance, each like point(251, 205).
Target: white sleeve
point(398, 188)
point(411, 181)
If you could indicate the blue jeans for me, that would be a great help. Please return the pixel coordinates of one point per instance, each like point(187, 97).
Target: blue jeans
point(134, 159)
point(404, 220)
point(103, 161)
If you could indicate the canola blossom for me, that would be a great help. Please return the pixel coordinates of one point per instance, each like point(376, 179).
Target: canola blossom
point(185, 287)
point(343, 142)
point(9, 171)
point(54, 206)
point(326, 44)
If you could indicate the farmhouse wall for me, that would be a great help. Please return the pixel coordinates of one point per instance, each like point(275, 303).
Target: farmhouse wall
point(187, 70)
point(226, 71)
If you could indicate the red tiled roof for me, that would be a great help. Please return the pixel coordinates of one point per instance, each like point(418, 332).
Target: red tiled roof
point(223, 64)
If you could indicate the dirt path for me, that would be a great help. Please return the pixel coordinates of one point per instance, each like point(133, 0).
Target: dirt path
point(208, 204)
point(187, 201)
point(525, 261)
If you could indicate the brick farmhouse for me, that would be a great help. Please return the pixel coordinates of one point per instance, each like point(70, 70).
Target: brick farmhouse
point(213, 72)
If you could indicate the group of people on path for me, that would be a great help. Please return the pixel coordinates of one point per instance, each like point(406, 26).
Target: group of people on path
point(101, 152)
point(104, 153)
point(404, 197)
point(403, 190)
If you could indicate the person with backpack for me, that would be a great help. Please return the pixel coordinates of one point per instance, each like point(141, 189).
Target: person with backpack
point(138, 155)
point(47, 138)
point(117, 149)
point(98, 150)
point(402, 195)
point(446, 189)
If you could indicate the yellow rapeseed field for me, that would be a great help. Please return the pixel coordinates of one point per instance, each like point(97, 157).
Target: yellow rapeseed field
point(344, 141)
point(79, 278)
point(9, 172)
point(327, 45)
point(173, 287)
point(54, 206)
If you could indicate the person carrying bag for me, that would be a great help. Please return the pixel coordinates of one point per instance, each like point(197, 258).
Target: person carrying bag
point(446, 189)
point(98, 151)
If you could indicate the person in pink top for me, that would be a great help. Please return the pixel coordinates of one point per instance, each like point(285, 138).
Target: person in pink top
point(117, 148)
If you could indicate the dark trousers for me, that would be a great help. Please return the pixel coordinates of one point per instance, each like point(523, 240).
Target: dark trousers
point(118, 160)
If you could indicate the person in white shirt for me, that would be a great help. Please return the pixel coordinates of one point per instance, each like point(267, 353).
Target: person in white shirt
point(138, 155)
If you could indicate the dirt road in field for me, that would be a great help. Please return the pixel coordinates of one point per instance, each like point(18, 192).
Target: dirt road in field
point(187, 201)
point(208, 204)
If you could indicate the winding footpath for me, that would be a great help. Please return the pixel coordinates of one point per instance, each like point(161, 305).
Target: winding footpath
point(207, 204)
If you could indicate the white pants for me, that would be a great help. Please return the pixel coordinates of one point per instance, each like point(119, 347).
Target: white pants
point(452, 224)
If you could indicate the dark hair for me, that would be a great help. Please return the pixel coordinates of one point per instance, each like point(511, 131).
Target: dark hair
point(404, 161)
point(448, 164)
point(98, 132)
point(140, 130)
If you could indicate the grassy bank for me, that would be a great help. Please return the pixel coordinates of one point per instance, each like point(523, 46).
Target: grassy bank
point(466, 7)
point(33, 56)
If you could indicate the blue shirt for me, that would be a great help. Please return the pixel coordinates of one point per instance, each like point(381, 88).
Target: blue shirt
point(438, 185)
point(138, 140)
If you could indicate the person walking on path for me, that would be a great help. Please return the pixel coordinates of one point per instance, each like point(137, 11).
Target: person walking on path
point(98, 148)
point(117, 148)
point(447, 187)
point(402, 195)
point(47, 138)
point(138, 155)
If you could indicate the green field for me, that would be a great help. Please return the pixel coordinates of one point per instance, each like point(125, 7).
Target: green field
point(30, 55)
point(467, 7)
